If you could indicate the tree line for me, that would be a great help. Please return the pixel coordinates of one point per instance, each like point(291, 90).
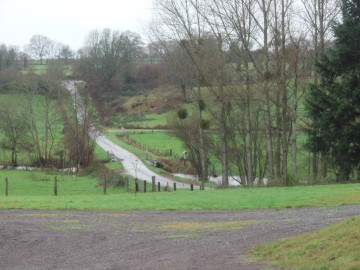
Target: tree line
point(256, 60)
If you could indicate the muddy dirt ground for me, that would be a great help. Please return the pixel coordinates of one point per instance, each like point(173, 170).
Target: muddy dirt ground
point(31, 239)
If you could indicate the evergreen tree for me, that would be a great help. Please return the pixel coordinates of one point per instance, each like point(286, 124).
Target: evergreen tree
point(334, 104)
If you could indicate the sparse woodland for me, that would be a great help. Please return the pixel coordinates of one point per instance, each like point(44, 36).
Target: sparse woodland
point(269, 82)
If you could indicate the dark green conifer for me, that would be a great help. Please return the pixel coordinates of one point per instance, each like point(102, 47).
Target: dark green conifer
point(334, 104)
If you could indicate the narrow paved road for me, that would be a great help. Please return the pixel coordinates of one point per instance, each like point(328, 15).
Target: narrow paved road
point(132, 164)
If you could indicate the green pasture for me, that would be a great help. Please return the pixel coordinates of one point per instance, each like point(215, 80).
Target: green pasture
point(39, 69)
point(34, 190)
point(41, 183)
point(158, 141)
point(333, 247)
point(36, 68)
point(37, 183)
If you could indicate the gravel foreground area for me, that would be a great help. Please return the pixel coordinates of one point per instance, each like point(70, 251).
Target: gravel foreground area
point(31, 239)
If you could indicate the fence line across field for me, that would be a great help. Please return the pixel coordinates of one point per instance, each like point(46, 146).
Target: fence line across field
point(55, 188)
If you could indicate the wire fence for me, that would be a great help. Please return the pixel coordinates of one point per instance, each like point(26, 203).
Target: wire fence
point(60, 186)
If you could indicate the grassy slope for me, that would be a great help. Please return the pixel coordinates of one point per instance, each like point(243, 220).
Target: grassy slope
point(159, 141)
point(334, 247)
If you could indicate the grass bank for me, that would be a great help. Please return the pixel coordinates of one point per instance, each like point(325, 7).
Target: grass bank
point(334, 247)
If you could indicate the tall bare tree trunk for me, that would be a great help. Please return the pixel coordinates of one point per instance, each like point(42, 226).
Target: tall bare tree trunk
point(249, 148)
point(46, 137)
point(294, 116)
point(202, 147)
point(268, 125)
point(224, 147)
point(279, 91)
point(284, 105)
point(278, 133)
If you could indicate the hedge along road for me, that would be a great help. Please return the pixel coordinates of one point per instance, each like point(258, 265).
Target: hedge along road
point(132, 164)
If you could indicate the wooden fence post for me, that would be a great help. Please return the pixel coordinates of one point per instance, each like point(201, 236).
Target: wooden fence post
point(55, 186)
point(153, 188)
point(6, 187)
point(145, 185)
point(136, 186)
point(174, 186)
point(158, 186)
point(127, 182)
point(105, 184)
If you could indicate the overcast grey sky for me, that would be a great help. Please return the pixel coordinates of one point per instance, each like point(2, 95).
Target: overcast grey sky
point(69, 21)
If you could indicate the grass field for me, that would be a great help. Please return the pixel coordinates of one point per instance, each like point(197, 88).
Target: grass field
point(334, 247)
point(160, 141)
point(39, 69)
point(34, 190)
point(37, 183)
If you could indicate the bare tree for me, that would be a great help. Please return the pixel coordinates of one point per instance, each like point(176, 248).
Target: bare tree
point(186, 128)
point(180, 21)
point(40, 47)
point(42, 115)
point(109, 64)
point(179, 69)
point(14, 128)
point(79, 125)
point(111, 55)
point(234, 20)
point(261, 15)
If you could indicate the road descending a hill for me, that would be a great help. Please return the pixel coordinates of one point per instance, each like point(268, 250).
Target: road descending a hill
point(132, 164)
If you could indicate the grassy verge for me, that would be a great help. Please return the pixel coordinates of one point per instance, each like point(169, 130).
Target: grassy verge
point(334, 247)
point(84, 193)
